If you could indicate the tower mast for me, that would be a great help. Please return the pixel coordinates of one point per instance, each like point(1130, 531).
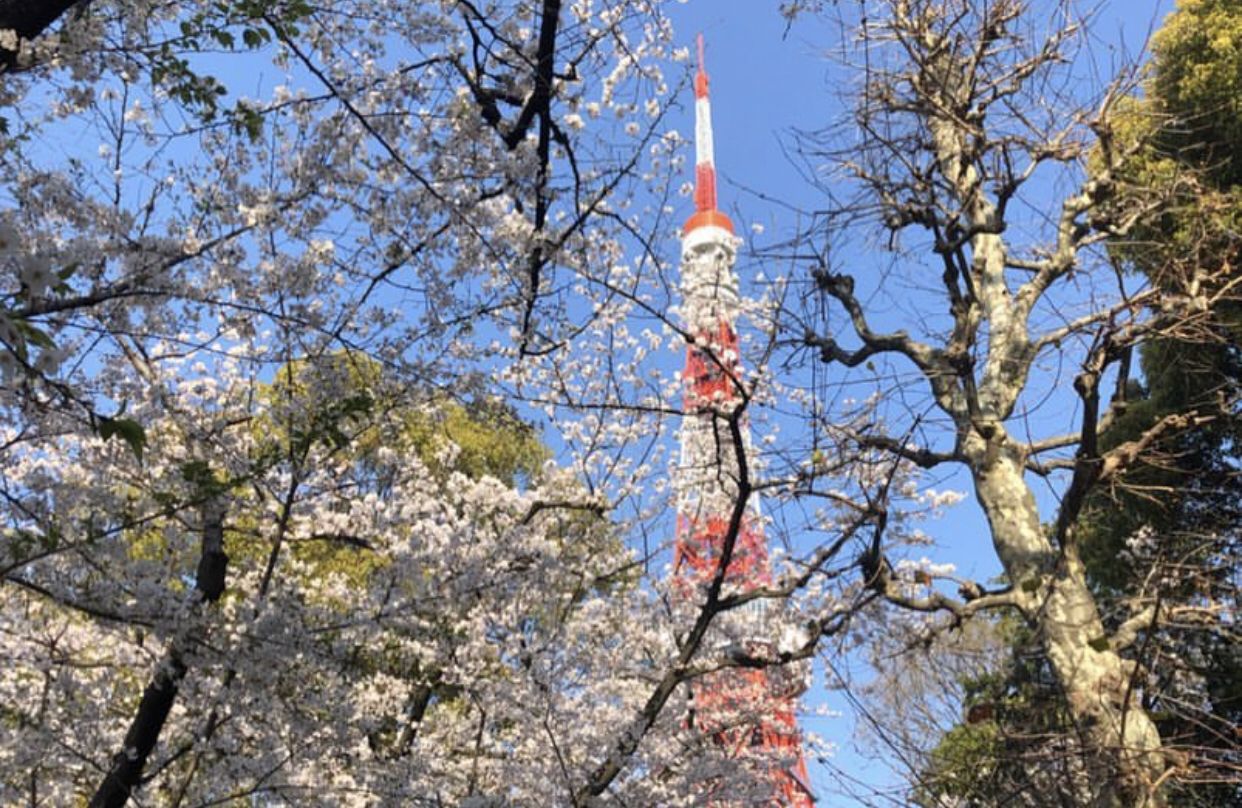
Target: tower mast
point(747, 712)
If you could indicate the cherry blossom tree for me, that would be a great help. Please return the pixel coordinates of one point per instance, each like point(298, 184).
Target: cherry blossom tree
point(407, 176)
point(287, 598)
point(237, 563)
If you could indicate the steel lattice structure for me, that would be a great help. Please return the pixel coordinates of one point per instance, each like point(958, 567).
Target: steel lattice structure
point(748, 712)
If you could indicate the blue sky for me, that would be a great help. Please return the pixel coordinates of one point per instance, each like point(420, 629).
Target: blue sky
point(769, 79)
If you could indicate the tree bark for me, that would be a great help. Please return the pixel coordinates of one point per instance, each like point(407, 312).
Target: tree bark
point(28, 18)
point(161, 693)
point(1123, 744)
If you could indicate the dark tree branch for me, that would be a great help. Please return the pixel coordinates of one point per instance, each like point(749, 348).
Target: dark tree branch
point(157, 701)
point(540, 103)
point(540, 100)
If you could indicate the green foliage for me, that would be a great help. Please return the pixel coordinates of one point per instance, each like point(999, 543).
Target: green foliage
point(127, 429)
point(341, 406)
point(1186, 140)
point(489, 439)
point(961, 765)
point(344, 402)
point(1000, 753)
point(220, 26)
point(1185, 137)
point(1198, 80)
point(248, 120)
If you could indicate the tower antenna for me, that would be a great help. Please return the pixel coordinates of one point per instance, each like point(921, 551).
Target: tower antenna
point(705, 204)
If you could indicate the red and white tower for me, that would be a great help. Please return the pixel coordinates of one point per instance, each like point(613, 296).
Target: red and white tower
point(748, 712)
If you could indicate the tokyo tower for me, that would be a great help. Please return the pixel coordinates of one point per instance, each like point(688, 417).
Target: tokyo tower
point(747, 712)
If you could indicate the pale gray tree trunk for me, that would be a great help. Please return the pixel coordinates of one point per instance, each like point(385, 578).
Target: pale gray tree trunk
point(1098, 684)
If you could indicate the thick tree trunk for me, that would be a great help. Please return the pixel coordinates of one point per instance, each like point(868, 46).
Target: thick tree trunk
point(140, 739)
point(1123, 745)
point(157, 701)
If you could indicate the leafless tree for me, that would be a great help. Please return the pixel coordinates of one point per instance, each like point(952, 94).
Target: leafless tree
point(967, 122)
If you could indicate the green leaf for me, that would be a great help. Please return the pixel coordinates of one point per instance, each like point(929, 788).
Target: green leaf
point(196, 472)
point(34, 335)
point(1100, 644)
point(1031, 585)
point(205, 480)
point(248, 120)
point(128, 430)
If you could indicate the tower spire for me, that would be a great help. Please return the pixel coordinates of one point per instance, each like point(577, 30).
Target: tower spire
point(705, 210)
